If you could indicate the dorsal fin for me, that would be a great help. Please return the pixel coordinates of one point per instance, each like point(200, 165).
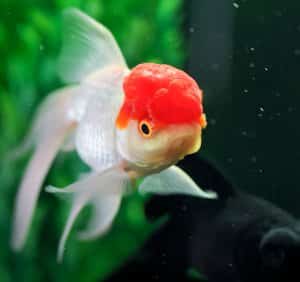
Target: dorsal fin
point(87, 46)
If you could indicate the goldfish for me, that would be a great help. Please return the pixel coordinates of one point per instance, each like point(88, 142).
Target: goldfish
point(125, 124)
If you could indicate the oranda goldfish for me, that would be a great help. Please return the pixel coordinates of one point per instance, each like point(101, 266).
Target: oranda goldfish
point(125, 124)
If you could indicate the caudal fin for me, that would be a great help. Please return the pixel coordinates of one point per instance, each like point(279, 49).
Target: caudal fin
point(49, 131)
point(30, 187)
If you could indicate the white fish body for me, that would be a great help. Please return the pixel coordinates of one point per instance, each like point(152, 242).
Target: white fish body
point(83, 117)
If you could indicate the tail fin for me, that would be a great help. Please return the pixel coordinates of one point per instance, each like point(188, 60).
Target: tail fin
point(30, 188)
point(49, 132)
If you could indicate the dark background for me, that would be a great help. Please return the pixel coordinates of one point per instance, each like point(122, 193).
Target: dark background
point(246, 56)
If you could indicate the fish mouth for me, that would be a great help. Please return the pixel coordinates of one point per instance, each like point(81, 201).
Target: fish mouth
point(176, 151)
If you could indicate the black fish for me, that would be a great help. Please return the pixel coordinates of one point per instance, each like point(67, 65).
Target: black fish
point(237, 238)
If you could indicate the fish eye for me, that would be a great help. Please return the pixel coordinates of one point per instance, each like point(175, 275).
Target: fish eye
point(145, 128)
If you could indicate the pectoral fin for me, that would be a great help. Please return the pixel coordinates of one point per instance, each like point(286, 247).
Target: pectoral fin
point(104, 192)
point(173, 181)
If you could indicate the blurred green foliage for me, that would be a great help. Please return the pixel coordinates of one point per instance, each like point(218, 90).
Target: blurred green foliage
point(194, 274)
point(30, 35)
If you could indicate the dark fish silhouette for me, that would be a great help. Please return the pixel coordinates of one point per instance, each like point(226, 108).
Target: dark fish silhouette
point(237, 238)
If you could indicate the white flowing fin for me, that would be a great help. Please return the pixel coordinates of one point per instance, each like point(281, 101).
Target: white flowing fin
point(50, 128)
point(87, 47)
point(106, 208)
point(95, 138)
point(76, 208)
point(53, 113)
point(103, 191)
point(55, 104)
point(31, 185)
point(173, 181)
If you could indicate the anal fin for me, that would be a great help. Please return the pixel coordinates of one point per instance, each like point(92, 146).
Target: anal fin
point(104, 191)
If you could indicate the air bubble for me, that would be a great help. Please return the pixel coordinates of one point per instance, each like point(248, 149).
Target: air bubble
point(297, 52)
point(191, 29)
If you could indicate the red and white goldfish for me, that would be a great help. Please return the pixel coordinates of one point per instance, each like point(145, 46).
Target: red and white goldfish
point(125, 124)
